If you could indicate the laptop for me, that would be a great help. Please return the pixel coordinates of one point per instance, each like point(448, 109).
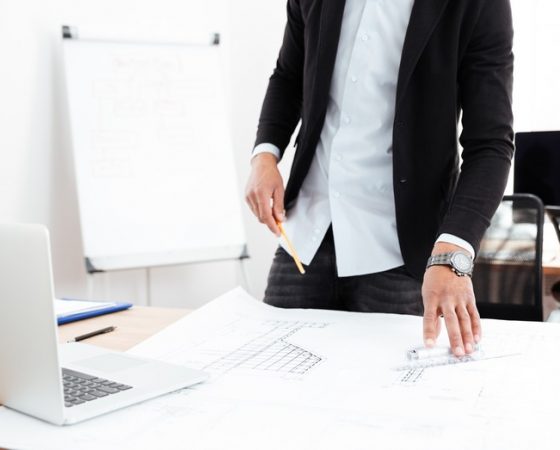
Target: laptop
point(74, 382)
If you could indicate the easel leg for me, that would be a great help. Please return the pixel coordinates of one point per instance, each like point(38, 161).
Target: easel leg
point(243, 277)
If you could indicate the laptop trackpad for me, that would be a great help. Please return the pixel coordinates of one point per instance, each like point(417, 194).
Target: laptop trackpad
point(110, 363)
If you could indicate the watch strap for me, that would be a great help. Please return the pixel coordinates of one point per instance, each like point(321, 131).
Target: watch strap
point(446, 259)
point(442, 259)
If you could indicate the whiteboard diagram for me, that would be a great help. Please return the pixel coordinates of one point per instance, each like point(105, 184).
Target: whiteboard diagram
point(154, 161)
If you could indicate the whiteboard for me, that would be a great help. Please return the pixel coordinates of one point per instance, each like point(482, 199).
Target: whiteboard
point(153, 155)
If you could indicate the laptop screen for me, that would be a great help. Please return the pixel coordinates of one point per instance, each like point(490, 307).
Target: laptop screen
point(537, 165)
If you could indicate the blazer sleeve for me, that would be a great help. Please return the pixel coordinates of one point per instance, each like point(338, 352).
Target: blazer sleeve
point(281, 109)
point(485, 81)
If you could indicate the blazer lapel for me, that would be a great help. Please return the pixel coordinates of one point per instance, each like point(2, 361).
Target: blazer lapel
point(423, 20)
point(332, 12)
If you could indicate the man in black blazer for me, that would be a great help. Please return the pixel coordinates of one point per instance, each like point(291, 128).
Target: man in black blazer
point(456, 59)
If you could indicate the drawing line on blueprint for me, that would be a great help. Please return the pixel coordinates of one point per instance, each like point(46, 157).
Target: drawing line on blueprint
point(271, 352)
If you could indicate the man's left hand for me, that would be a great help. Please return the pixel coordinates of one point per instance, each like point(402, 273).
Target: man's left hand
point(448, 295)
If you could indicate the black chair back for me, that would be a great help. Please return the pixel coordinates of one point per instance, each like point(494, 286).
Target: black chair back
point(507, 277)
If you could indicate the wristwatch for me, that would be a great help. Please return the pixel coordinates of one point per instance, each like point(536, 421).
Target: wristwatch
point(460, 263)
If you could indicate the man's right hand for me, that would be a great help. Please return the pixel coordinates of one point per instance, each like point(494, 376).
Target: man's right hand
point(265, 191)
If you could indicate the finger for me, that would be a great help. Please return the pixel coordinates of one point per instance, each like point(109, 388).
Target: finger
point(466, 330)
point(265, 214)
point(278, 203)
point(475, 322)
point(454, 332)
point(252, 204)
point(431, 327)
point(438, 326)
point(257, 204)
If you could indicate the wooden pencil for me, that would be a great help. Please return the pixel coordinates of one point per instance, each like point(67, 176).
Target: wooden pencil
point(292, 249)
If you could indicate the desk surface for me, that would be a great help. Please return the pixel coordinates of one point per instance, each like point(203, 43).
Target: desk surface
point(225, 413)
point(552, 268)
point(133, 326)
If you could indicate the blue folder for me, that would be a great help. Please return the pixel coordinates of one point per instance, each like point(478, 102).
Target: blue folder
point(73, 317)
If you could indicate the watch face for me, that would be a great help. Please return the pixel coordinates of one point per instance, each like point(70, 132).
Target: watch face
point(461, 262)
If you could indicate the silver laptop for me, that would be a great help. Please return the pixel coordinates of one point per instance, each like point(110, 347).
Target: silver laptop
point(74, 382)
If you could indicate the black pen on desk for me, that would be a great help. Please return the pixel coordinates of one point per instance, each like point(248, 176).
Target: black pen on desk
point(92, 334)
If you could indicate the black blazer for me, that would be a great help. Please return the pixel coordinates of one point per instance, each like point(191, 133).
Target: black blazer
point(457, 57)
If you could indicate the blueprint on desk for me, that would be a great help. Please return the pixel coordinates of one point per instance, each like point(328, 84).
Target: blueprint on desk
point(310, 379)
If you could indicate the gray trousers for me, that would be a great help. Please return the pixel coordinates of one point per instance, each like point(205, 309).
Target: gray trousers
point(394, 291)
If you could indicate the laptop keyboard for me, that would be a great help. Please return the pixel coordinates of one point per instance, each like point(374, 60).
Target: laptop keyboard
point(80, 388)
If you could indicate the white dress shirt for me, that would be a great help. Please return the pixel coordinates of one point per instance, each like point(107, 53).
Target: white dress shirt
point(350, 181)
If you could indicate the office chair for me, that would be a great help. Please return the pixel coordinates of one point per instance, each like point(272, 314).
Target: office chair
point(507, 278)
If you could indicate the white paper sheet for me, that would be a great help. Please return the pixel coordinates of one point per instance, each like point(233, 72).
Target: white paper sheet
point(67, 307)
point(307, 379)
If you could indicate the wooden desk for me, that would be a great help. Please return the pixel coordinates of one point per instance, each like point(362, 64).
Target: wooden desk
point(133, 326)
point(552, 268)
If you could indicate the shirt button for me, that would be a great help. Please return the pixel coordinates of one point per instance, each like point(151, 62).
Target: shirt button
point(365, 37)
point(354, 79)
point(403, 180)
point(337, 194)
point(316, 231)
point(347, 120)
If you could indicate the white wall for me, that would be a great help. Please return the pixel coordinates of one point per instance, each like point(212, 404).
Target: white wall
point(537, 74)
point(36, 179)
point(537, 66)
